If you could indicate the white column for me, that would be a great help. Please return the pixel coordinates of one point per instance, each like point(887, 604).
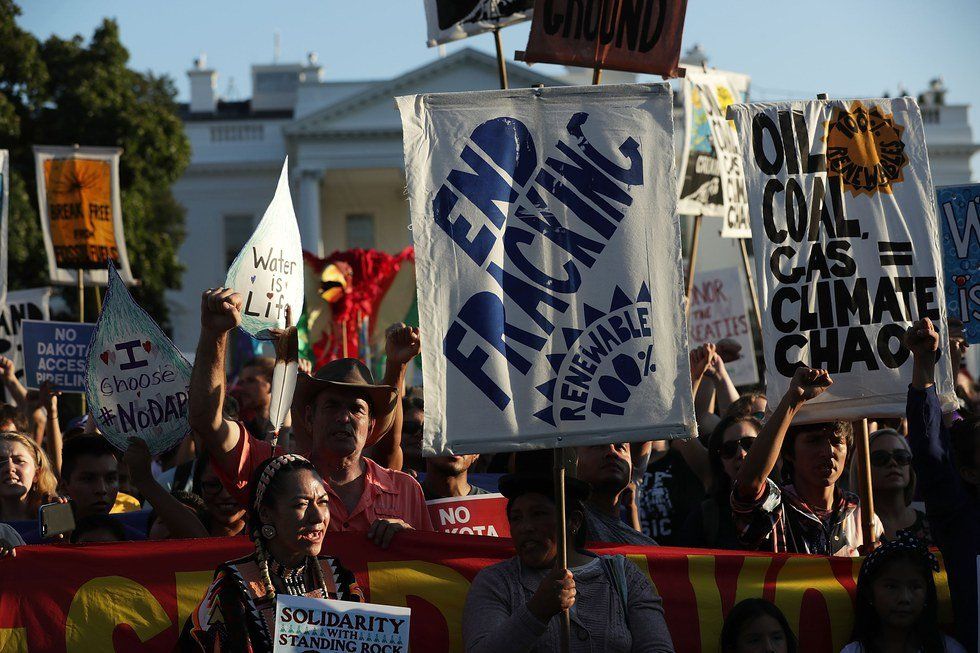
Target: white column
point(309, 211)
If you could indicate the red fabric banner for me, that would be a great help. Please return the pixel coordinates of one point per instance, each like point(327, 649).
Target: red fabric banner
point(481, 514)
point(640, 36)
point(135, 596)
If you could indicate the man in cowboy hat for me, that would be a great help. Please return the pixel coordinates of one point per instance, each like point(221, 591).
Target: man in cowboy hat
point(343, 411)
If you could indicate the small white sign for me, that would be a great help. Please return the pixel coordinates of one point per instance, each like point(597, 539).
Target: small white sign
point(305, 624)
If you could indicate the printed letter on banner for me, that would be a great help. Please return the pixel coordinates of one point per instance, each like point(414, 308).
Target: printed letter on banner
point(640, 36)
point(549, 275)
point(451, 20)
point(847, 247)
point(713, 182)
point(959, 216)
point(81, 214)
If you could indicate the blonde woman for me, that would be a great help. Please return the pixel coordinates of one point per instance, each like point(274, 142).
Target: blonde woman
point(26, 478)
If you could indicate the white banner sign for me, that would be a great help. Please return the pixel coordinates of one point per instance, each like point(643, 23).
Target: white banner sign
point(81, 212)
point(30, 304)
point(451, 20)
point(847, 247)
point(720, 310)
point(4, 204)
point(548, 267)
point(712, 182)
point(305, 625)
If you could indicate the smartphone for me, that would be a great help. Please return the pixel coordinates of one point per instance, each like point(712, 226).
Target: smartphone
point(55, 519)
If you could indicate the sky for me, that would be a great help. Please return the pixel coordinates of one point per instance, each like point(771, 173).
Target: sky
point(792, 49)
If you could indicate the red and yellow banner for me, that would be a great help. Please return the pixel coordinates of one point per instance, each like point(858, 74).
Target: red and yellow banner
point(80, 211)
point(136, 596)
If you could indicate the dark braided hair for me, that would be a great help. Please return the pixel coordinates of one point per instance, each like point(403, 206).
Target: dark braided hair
point(266, 484)
point(867, 624)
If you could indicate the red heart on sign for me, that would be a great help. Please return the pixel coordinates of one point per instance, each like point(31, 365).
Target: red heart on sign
point(269, 295)
point(147, 345)
point(105, 357)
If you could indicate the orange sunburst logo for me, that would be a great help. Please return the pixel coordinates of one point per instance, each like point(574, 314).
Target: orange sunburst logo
point(865, 149)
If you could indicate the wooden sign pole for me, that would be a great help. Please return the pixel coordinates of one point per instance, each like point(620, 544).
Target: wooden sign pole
point(501, 62)
point(81, 317)
point(562, 561)
point(753, 295)
point(864, 485)
point(692, 263)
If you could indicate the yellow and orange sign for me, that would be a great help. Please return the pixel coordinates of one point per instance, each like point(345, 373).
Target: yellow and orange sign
point(80, 212)
point(865, 149)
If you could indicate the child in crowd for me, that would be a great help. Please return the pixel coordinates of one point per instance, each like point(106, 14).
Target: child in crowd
point(896, 605)
point(756, 626)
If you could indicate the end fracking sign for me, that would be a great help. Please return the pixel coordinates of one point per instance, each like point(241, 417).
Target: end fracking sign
point(56, 352)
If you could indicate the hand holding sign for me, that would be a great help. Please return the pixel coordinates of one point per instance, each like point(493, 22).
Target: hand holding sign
point(555, 594)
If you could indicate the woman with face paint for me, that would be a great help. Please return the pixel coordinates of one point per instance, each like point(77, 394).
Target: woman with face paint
point(515, 605)
point(287, 515)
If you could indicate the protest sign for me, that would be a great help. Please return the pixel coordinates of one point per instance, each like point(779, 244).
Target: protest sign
point(846, 245)
point(136, 381)
point(4, 202)
point(481, 514)
point(29, 304)
point(641, 36)
point(81, 214)
point(136, 596)
point(548, 262)
point(719, 310)
point(713, 183)
point(56, 352)
point(304, 625)
point(268, 272)
point(959, 215)
point(451, 20)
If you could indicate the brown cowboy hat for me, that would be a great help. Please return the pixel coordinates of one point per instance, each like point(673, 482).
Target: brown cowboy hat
point(351, 375)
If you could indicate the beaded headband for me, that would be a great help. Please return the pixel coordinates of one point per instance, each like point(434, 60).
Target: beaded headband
point(905, 542)
point(270, 471)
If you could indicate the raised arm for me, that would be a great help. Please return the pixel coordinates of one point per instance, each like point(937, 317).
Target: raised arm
point(725, 391)
point(806, 384)
point(402, 344)
point(52, 429)
point(14, 387)
point(180, 521)
point(220, 313)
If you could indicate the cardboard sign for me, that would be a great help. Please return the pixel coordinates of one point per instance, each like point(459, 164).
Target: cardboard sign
point(641, 36)
point(304, 625)
point(30, 304)
point(136, 382)
point(483, 514)
point(81, 215)
point(720, 310)
point(268, 272)
point(451, 20)
point(56, 352)
point(959, 215)
point(713, 183)
point(4, 201)
point(847, 247)
point(548, 267)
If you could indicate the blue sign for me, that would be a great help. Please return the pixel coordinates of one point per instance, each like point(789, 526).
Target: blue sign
point(56, 352)
point(959, 215)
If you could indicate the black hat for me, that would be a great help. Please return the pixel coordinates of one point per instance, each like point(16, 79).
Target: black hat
point(515, 485)
point(351, 375)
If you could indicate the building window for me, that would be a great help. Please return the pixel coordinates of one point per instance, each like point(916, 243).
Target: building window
point(238, 229)
point(360, 231)
point(930, 115)
point(223, 133)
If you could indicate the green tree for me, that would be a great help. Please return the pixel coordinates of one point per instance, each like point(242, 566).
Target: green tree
point(65, 91)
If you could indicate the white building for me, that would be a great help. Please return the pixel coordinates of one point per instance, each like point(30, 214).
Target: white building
point(344, 144)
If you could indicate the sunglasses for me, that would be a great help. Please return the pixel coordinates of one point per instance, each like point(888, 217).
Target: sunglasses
point(759, 415)
point(730, 449)
point(882, 458)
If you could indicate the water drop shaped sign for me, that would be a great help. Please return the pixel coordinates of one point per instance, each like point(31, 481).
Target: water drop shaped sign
point(136, 380)
point(268, 272)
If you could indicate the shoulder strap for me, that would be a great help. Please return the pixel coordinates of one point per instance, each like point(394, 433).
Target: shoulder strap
point(615, 568)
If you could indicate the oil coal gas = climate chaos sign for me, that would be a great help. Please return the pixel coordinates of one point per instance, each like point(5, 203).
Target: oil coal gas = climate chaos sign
point(847, 247)
point(548, 267)
point(268, 272)
point(137, 381)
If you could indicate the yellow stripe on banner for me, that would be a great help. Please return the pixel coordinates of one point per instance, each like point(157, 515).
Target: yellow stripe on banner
point(641, 562)
point(103, 603)
point(391, 583)
point(701, 571)
point(751, 579)
point(13, 639)
point(191, 586)
point(801, 574)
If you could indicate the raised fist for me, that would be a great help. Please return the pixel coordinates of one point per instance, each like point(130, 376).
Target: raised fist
point(402, 343)
point(808, 384)
point(220, 310)
point(921, 338)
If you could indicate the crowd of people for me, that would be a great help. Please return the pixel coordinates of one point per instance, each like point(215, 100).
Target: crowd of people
point(349, 459)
